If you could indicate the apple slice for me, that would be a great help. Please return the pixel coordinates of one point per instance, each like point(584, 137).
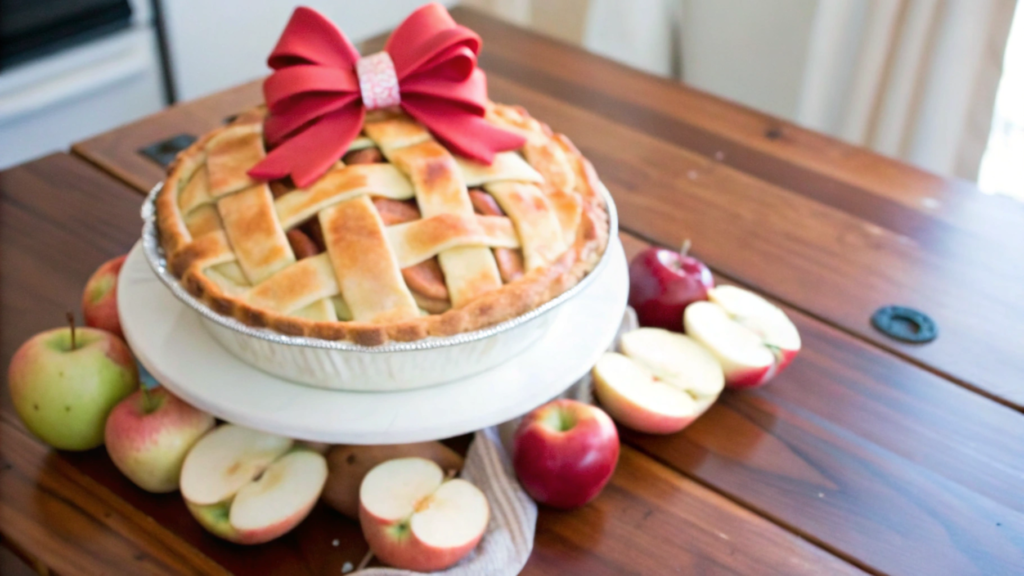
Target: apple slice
point(248, 486)
point(751, 337)
point(415, 519)
point(282, 496)
point(676, 359)
point(664, 381)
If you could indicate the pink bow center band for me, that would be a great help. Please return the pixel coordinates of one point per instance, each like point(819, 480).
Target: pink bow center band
point(321, 89)
point(378, 83)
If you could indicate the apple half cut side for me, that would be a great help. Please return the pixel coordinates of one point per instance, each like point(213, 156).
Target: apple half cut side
point(415, 519)
point(248, 486)
point(752, 338)
point(662, 383)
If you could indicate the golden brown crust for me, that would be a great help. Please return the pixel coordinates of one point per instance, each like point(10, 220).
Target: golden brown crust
point(551, 155)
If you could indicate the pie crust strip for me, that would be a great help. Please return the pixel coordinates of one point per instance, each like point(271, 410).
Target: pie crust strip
point(339, 185)
point(423, 239)
point(363, 263)
point(297, 286)
point(230, 155)
point(254, 232)
point(539, 230)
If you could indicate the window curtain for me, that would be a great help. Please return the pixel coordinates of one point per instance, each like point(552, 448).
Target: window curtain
point(913, 79)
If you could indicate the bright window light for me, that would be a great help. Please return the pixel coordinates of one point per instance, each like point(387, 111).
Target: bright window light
point(1002, 166)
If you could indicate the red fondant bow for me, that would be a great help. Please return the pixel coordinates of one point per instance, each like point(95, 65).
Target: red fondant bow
point(317, 110)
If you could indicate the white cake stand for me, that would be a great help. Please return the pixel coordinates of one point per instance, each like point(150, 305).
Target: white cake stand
point(169, 340)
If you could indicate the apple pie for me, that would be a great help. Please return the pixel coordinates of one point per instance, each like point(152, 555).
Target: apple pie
point(400, 240)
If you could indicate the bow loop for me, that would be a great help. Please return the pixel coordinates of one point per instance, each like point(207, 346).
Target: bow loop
point(470, 95)
point(296, 81)
point(412, 51)
point(309, 38)
point(318, 100)
point(453, 64)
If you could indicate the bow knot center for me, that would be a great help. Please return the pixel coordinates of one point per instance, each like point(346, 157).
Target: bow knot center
point(378, 82)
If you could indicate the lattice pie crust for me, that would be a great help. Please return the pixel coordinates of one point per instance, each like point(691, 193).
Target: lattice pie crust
point(399, 241)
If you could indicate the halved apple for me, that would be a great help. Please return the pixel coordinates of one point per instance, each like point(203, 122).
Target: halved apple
point(248, 486)
point(348, 465)
point(413, 518)
point(661, 383)
point(752, 338)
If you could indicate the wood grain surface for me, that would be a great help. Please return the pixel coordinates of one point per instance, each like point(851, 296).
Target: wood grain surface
point(117, 151)
point(877, 460)
point(835, 230)
point(59, 219)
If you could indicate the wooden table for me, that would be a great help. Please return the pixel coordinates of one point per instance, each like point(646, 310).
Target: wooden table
point(866, 456)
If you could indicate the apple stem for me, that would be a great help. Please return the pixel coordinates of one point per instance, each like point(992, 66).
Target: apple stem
point(148, 402)
point(71, 322)
point(365, 561)
point(686, 247)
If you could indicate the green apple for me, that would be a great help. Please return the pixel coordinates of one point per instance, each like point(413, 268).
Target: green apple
point(64, 383)
point(148, 435)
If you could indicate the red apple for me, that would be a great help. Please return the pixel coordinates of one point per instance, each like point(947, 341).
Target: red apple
point(64, 383)
point(565, 452)
point(662, 283)
point(415, 519)
point(148, 435)
point(99, 300)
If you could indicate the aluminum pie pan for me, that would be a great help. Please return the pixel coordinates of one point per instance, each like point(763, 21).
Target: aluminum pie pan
point(345, 365)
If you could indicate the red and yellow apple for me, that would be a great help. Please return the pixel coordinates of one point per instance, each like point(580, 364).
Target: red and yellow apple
point(64, 383)
point(99, 299)
point(661, 383)
point(565, 452)
point(250, 487)
point(662, 283)
point(148, 435)
point(752, 338)
point(415, 519)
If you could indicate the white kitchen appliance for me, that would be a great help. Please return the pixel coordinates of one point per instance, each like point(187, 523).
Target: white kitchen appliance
point(77, 88)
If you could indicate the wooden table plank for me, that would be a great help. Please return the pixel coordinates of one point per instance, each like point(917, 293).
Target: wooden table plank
point(837, 254)
point(651, 520)
point(15, 563)
point(59, 218)
point(60, 515)
point(835, 265)
point(872, 457)
point(907, 236)
point(117, 151)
